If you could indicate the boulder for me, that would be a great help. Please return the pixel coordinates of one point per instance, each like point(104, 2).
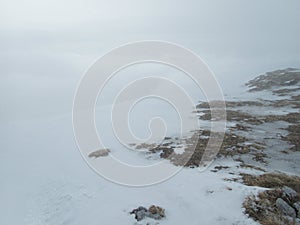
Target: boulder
point(289, 193)
point(285, 208)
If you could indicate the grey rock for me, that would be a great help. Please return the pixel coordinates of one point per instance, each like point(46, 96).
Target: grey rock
point(285, 208)
point(140, 213)
point(99, 153)
point(289, 193)
point(292, 220)
point(154, 212)
point(297, 207)
point(155, 216)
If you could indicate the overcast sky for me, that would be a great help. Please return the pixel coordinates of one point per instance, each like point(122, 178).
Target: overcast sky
point(46, 45)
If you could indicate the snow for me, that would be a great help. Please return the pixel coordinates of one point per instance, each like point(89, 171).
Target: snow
point(55, 186)
point(46, 181)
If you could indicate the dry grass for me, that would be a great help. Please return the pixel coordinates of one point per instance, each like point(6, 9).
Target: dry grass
point(243, 165)
point(272, 180)
point(233, 145)
point(262, 208)
point(293, 136)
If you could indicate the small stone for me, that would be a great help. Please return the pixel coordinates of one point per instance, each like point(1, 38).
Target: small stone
point(285, 208)
point(289, 193)
point(99, 153)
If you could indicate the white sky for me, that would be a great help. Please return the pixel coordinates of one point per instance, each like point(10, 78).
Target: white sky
point(45, 46)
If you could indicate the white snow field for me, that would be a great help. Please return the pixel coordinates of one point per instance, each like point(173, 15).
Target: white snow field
point(49, 183)
point(46, 46)
point(45, 180)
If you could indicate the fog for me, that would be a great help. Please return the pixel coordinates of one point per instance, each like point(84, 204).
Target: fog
point(46, 46)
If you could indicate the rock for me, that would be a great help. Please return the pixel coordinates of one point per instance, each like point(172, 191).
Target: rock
point(153, 209)
point(99, 153)
point(289, 193)
point(285, 208)
point(154, 212)
point(291, 220)
point(140, 213)
point(297, 207)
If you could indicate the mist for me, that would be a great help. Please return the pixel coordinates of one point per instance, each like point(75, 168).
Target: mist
point(46, 46)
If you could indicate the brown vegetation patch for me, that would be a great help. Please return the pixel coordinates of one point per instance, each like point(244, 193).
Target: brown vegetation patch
point(272, 180)
point(290, 118)
point(233, 145)
point(265, 207)
point(285, 91)
point(294, 102)
point(232, 115)
point(259, 157)
point(293, 137)
point(262, 208)
point(228, 104)
point(243, 165)
point(239, 116)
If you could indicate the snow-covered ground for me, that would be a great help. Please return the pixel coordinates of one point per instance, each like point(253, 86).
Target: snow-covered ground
point(45, 48)
point(51, 184)
point(45, 180)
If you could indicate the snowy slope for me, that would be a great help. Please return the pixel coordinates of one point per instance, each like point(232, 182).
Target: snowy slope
point(55, 186)
point(45, 181)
